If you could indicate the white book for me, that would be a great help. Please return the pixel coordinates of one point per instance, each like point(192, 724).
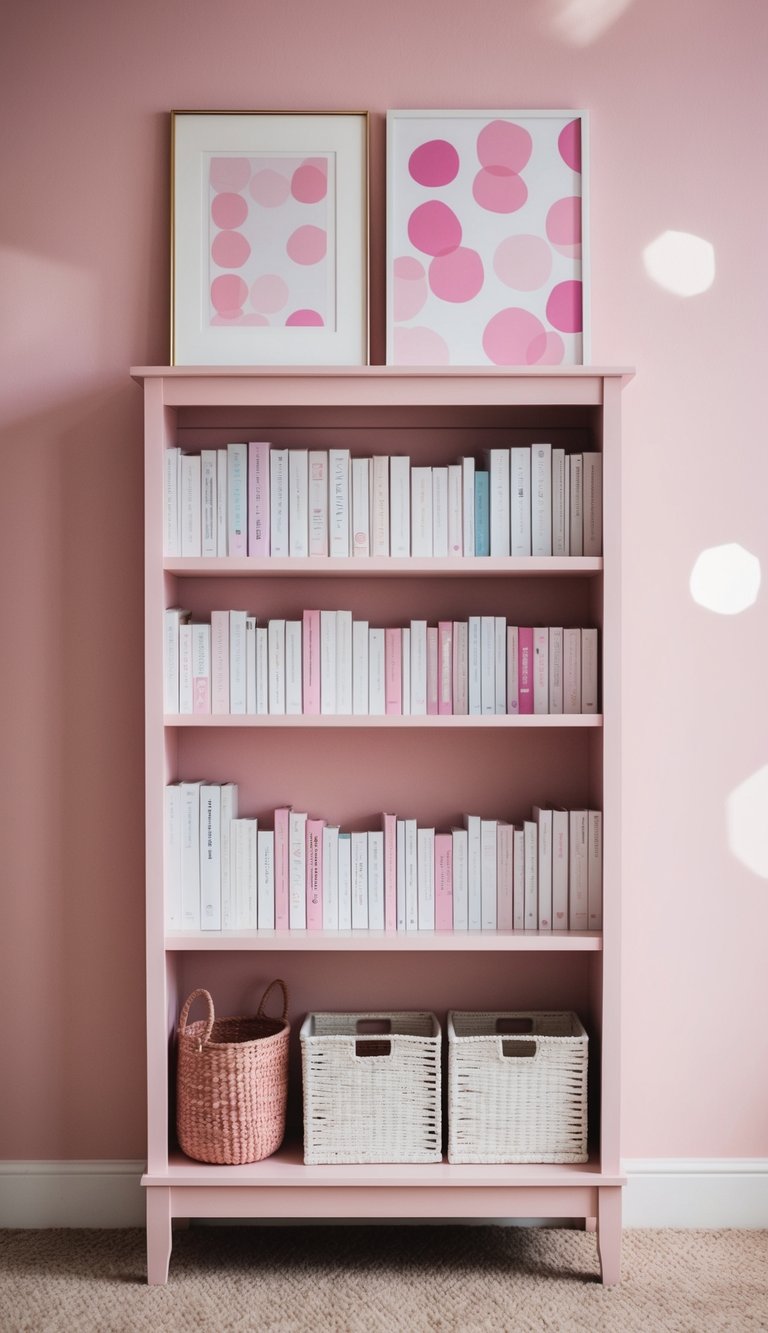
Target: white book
point(262, 670)
point(340, 509)
point(411, 875)
point(555, 669)
point(513, 670)
point(500, 665)
point(298, 502)
point(475, 665)
point(238, 872)
point(406, 678)
point(421, 511)
point(250, 664)
point(498, 464)
point(578, 870)
point(595, 870)
point(440, 511)
point(540, 669)
point(568, 550)
point(359, 667)
point(210, 856)
point(172, 856)
point(318, 502)
point(541, 499)
point(487, 664)
point(455, 525)
point(237, 499)
point(460, 883)
point(518, 879)
point(248, 899)
point(376, 673)
point(208, 484)
point(488, 866)
point(460, 667)
point(418, 668)
point(276, 653)
point(361, 516)
point(327, 661)
point(359, 881)
point(297, 870)
point(560, 544)
point(531, 895)
point(592, 491)
point(571, 671)
point(191, 500)
point(173, 618)
point(589, 671)
point(331, 877)
point(543, 820)
point(468, 505)
point(229, 801)
point(219, 661)
point(474, 872)
point(201, 668)
point(265, 879)
point(185, 667)
point(400, 505)
point(520, 500)
point(379, 503)
point(375, 880)
point(190, 855)
point(278, 502)
point(221, 502)
point(425, 852)
point(344, 662)
point(345, 881)
point(559, 869)
point(172, 501)
point(400, 874)
point(577, 504)
point(293, 663)
point(237, 662)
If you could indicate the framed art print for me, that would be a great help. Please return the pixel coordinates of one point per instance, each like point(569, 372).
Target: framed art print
point(486, 238)
point(269, 238)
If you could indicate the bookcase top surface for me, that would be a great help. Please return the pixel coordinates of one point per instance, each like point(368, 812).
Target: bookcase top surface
point(141, 373)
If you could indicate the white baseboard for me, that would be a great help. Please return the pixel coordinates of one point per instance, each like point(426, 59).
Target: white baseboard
point(660, 1192)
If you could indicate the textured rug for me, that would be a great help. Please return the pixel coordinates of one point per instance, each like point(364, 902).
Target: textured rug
point(382, 1280)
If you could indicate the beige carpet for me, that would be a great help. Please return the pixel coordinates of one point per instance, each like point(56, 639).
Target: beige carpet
point(382, 1279)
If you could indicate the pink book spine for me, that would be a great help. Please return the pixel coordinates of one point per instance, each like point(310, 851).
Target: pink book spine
point(389, 824)
point(393, 670)
point(445, 667)
point(282, 917)
point(220, 661)
point(258, 498)
point(443, 881)
point(315, 873)
point(525, 668)
point(311, 663)
point(433, 654)
point(505, 847)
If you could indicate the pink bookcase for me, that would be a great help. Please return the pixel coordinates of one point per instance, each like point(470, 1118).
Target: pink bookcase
point(350, 769)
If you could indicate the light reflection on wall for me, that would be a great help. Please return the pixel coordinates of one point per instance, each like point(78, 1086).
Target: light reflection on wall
point(582, 22)
point(681, 263)
point(725, 579)
point(747, 815)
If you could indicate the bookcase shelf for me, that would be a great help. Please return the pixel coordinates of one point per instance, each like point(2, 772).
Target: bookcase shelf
point(346, 767)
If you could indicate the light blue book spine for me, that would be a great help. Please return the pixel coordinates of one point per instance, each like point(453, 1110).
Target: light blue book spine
point(482, 515)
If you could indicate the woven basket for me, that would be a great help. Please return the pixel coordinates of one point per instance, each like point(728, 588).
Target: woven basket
point(517, 1087)
point(232, 1082)
point(371, 1087)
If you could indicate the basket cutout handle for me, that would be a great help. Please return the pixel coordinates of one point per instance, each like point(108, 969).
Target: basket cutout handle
point(519, 1050)
point(277, 982)
point(366, 1049)
point(184, 1015)
point(514, 1027)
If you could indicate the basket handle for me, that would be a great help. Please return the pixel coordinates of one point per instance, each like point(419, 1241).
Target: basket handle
point(277, 982)
point(184, 1015)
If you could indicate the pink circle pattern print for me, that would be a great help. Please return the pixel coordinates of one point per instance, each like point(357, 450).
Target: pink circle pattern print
point(486, 234)
point(268, 256)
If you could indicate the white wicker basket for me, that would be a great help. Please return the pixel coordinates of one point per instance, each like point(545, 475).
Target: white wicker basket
point(517, 1087)
point(371, 1087)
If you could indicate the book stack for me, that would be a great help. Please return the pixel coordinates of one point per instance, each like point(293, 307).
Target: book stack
point(226, 872)
point(250, 499)
point(330, 663)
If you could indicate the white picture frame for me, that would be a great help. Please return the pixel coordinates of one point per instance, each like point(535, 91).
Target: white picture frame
point(495, 269)
point(269, 238)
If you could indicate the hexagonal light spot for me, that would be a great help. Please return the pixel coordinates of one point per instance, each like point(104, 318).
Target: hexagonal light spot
point(725, 579)
point(680, 262)
point(747, 814)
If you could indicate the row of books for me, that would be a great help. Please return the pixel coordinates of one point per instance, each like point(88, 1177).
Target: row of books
point(224, 872)
point(257, 500)
point(330, 663)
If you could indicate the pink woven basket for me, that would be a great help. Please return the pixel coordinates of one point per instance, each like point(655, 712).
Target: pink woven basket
point(232, 1083)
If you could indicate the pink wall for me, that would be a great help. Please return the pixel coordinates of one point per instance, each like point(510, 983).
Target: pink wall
point(679, 102)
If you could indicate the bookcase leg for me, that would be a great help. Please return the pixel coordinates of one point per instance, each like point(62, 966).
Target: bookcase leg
point(609, 1235)
point(158, 1235)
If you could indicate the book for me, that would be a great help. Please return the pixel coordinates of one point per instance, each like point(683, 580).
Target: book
point(379, 500)
point(421, 511)
point(505, 848)
point(560, 534)
point(406, 672)
point(389, 831)
point(488, 867)
point(327, 661)
point(310, 647)
point(219, 661)
point(589, 671)
point(474, 872)
point(229, 812)
point(318, 502)
point(282, 868)
point(541, 499)
point(222, 488)
point(191, 502)
point(594, 870)
point(262, 669)
point(185, 667)
point(265, 878)
point(571, 671)
point(276, 665)
point(344, 662)
point(460, 884)
point(460, 667)
point(542, 817)
point(455, 510)
point(376, 673)
point(540, 669)
point(559, 869)
point(298, 502)
point(525, 669)
point(359, 852)
point(433, 655)
point(375, 880)
point(487, 665)
point(237, 664)
point(399, 505)
point(331, 877)
point(474, 665)
point(578, 870)
point(172, 856)
point(190, 855)
point(393, 671)
point(443, 881)
point(237, 499)
point(293, 666)
point(359, 667)
point(576, 538)
point(518, 879)
point(418, 667)
point(345, 881)
point(411, 875)
point(361, 517)
point(513, 669)
point(425, 852)
point(314, 853)
point(520, 500)
point(497, 462)
point(172, 501)
point(339, 505)
point(468, 505)
point(297, 870)
point(482, 514)
point(531, 891)
point(258, 499)
point(245, 873)
point(500, 665)
point(440, 511)
point(250, 664)
point(278, 502)
point(208, 528)
point(445, 667)
point(555, 669)
point(400, 880)
point(592, 497)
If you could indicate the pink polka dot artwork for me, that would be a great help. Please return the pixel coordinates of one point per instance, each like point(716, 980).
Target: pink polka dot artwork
point(269, 260)
point(485, 244)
